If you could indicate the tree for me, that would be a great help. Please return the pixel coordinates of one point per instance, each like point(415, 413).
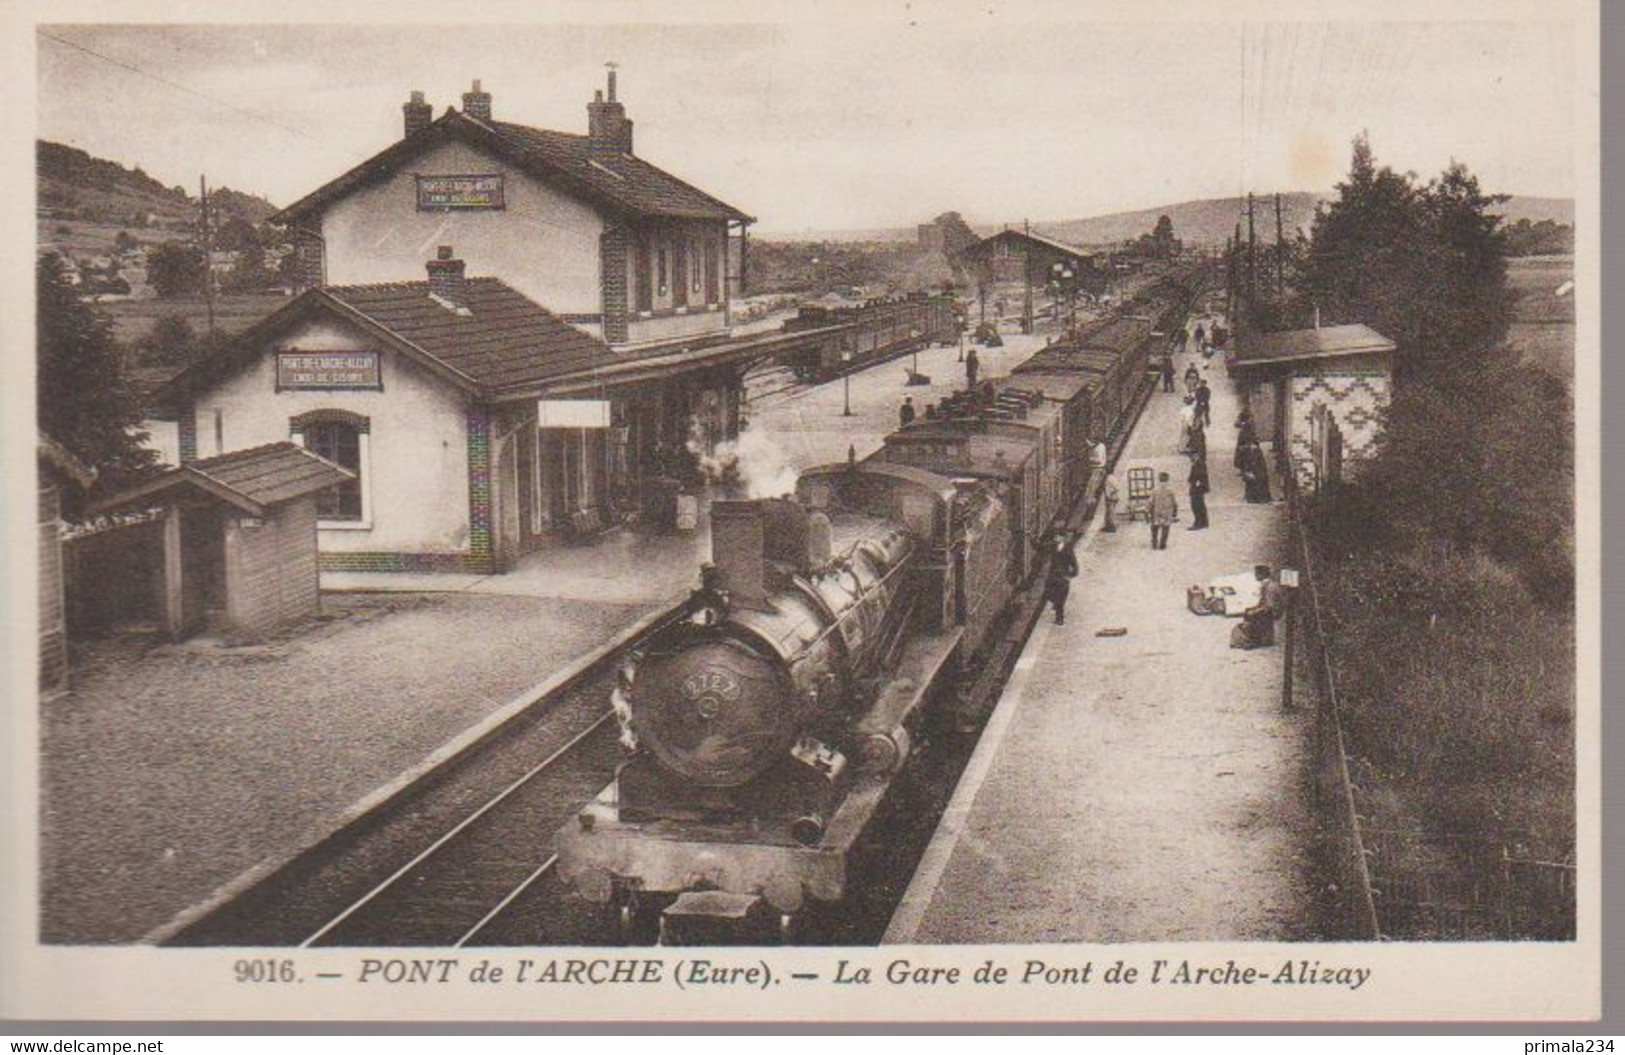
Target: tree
point(1476, 453)
point(235, 233)
point(248, 273)
point(176, 270)
point(1163, 242)
point(86, 402)
point(1423, 265)
point(170, 342)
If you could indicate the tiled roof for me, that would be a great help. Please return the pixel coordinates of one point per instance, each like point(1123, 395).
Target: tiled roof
point(270, 474)
point(1039, 240)
point(621, 182)
point(1289, 345)
point(628, 180)
point(252, 479)
point(504, 339)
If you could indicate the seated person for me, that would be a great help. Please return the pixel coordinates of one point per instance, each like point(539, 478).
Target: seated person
point(1257, 629)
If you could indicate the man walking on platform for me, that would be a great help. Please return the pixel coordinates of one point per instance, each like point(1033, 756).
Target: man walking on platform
point(1198, 491)
point(972, 365)
point(1164, 507)
point(1168, 372)
point(1204, 403)
point(1063, 568)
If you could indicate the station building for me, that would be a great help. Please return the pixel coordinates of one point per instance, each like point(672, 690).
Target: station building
point(1318, 393)
point(1025, 268)
point(507, 334)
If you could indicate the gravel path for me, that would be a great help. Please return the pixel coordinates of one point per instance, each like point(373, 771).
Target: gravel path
point(1148, 787)
point(170, 770)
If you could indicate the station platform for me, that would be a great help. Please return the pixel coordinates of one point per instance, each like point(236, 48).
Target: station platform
point(809, 428)
point(1146, 787)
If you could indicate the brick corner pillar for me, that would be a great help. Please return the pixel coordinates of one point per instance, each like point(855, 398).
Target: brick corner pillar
point(614, 250)
point(481, 552)
point(311, 253)
point(186, 434)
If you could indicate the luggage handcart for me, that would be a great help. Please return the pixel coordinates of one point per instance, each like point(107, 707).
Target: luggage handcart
point(1142, 480)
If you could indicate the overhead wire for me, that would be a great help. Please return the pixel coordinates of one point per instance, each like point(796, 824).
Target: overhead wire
point(233, 107)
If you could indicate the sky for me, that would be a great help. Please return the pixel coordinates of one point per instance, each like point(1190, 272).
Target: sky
point(840, 124)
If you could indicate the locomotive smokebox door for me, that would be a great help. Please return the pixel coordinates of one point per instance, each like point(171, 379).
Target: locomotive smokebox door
point(716, 713)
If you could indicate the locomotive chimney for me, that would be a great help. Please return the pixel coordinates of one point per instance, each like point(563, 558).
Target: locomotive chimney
point(738, 550)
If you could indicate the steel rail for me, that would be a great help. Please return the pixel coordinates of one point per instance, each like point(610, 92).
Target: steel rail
point(461, 826)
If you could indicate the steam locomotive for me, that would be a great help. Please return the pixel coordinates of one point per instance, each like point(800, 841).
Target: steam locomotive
point(760, 735)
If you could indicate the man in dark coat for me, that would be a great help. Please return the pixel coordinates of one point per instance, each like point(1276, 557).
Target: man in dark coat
point(1168, 373)
point(905, 413)
point(972, 365)
point(1204, 403)
point(1063, 568)
point(1198, 491)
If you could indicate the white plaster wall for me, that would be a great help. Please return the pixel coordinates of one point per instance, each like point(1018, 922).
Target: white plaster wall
point(163, 437)
point(544, 243)
point(417, 452)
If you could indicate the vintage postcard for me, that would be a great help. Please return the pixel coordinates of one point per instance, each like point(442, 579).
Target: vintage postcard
point(901, 511)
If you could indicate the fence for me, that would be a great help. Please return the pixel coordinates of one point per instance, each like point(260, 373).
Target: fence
point(1407, 883)
point(113, 574)
point(1352, 909)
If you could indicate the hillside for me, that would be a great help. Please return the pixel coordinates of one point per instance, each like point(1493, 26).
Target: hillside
point(74, 185)
point(1211, 221)
point(1206, 222)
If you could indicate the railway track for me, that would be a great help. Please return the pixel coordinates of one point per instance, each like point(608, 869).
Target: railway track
point(459, 884)
point(445, 856)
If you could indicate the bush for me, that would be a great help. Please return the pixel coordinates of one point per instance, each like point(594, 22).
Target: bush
point(1458, 690)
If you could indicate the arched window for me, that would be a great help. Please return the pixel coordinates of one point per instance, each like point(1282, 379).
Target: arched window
point(341, 438)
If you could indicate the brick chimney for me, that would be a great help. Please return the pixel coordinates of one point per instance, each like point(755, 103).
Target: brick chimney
point(477, 104)
point(419, 114)
point(446, 280)
point(608, 130)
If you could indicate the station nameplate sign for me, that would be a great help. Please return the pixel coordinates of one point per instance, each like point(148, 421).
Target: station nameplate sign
point(572, 414)
point(325, 370)
point(460, 192)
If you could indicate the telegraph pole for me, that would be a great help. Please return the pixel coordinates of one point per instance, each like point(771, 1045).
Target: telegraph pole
point(208, 254)
point(1280, 251)
point(1235, 271)
point(1027, 324)
point(1252, 254)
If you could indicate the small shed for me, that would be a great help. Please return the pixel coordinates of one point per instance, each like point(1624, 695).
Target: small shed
point(1318, 393)
point(58, 469)
point(239, 538)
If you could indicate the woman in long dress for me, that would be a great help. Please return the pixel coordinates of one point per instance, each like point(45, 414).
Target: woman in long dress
point(1246, 436)
point(1255, 473)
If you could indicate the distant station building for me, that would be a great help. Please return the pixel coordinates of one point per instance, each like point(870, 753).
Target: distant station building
point(1026, 268)
point(1319, 393)
point(508, 335)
